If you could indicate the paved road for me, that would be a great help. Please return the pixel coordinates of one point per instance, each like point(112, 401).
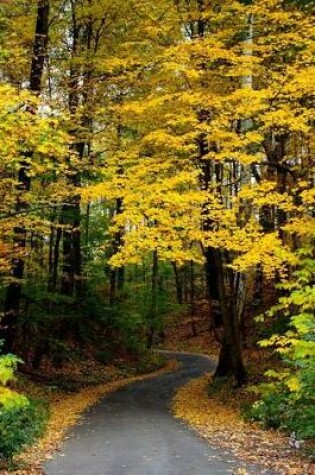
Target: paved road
point(132, 432)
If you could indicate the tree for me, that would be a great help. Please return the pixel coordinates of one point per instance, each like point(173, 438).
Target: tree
point(13, 296)
point(200, 131)
point(185, 128)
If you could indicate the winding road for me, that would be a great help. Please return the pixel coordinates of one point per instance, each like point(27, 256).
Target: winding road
point(132, 432)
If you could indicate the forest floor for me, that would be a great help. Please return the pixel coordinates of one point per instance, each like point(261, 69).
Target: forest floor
point(218, 411)
point(69, 391)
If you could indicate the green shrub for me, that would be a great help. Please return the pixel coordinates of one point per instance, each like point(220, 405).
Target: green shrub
point(288, 400)
point(21, 420)
point(21, 426)
point(9, 399)
point(281, 410)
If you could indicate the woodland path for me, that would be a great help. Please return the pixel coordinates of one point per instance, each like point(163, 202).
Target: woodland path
point(132, 432)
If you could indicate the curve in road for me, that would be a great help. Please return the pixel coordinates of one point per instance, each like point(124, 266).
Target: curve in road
point(132, 432)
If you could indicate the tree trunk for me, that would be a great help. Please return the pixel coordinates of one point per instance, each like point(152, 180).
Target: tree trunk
point(225, 316)
point(117, 276)
point(178, 284)
point(154, 300)
point(71, 212)
point(192, 296)
point(14, 292)
point(56, 254)
point(120, 279)
point(71, 271)
point(112, 286)
point(230, 359)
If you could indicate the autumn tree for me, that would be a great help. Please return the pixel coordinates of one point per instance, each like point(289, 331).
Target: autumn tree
point(222, 135)
point(176, 133)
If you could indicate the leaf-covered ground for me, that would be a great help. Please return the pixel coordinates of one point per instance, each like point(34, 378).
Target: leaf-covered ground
point(217, 417)
point(67, 407)
point(216, 411)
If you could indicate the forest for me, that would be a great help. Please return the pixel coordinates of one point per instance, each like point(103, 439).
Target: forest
point(157, 193)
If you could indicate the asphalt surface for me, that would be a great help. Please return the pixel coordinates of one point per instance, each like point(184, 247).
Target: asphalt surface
point(132, 432)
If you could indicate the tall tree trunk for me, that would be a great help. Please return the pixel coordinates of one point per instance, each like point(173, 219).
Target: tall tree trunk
point(220, 288)
point(232, 286)
point(54, 275)
point(178, 283)
point(117, 275)
point(192, 296)
point(112, 286)
point(152, 330)
point(71, 246)
point(120, 279)
point(71, 212)
point(118, 244)
point(13, 295)
point(230, 359)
